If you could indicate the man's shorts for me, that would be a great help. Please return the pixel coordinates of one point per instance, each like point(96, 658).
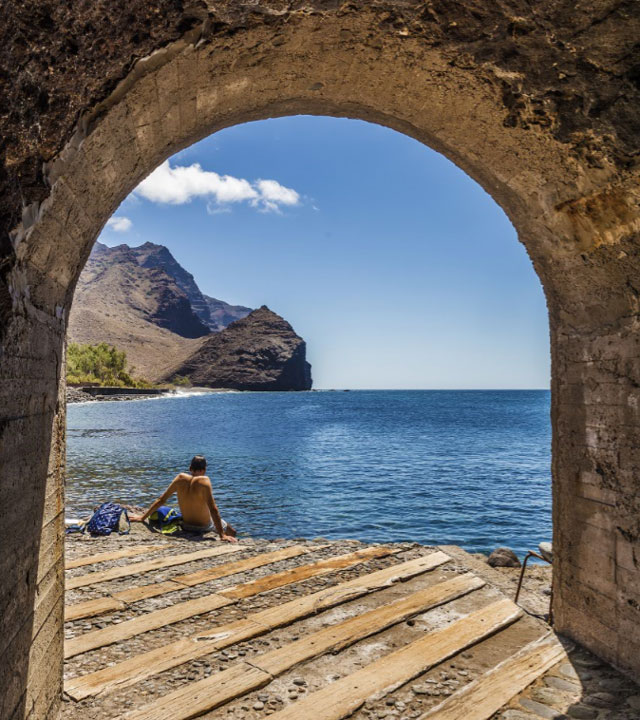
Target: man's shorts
point(200, 530)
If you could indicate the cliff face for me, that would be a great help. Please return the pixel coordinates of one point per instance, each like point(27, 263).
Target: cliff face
point(215, 314)
point(113, 275)
point(151, 255)
point(259, 352)
point(144, 302)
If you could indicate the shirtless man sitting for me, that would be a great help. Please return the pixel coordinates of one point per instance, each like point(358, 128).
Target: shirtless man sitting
point(195, 497)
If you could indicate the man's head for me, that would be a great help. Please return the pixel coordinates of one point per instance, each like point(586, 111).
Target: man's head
point(198, 465)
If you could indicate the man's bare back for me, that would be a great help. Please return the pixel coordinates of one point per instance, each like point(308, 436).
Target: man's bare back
point(194, 492)
point(195, 497)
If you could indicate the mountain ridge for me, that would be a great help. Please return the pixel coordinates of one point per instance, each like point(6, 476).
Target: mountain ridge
point(141, 300)
point(215, 314)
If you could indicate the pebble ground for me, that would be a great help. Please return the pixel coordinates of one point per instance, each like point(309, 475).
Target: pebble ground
point(582, 688)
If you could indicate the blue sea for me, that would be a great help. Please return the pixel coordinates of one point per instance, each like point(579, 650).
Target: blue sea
point(464, 467)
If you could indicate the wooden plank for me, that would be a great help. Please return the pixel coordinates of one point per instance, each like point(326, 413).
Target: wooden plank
point(113, 555)
point(98, 606)
point(154, 620)
point(250, 563)
point(120, 599)
point(137, 668)
point(90, 608)
point(310, 604)
point(194, 699)
point(332, 639)
point(343, 697)
point(304, 572)
point(480, 699)
point(143, 623)
point(231, 683)
point(148, 565)
point(142, 592)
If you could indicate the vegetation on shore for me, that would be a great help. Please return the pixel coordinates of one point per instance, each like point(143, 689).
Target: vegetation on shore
point(181, 381)
point(101, 364)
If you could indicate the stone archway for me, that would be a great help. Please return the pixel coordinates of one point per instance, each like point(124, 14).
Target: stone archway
point(536, 107)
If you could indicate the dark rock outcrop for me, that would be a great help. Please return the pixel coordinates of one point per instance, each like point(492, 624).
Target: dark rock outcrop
point(259, 352)
point(503, 557)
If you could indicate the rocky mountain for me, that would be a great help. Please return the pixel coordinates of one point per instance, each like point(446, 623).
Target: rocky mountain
point(151, 255)
point(259, 352)
point(215, 314)
point(140, 310)
point(144, 302)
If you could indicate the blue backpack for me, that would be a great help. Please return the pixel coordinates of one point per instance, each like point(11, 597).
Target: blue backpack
point(106, 519)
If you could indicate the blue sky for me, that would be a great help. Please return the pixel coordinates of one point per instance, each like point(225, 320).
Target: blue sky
point(397, 269)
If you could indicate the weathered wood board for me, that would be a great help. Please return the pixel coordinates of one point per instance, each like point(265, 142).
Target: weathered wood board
point(482, 698)
point(143, 623)
point(147, 566)
point(197, 698)
point(113, 555)
point(250, 563)
point(137, 668)
point(270, 582)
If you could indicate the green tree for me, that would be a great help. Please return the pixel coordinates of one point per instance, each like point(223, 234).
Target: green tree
point(103, 364)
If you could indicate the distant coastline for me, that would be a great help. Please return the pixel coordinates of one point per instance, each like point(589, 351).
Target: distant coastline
point(79, 395)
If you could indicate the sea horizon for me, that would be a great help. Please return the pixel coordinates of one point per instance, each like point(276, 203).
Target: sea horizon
point(466, 467)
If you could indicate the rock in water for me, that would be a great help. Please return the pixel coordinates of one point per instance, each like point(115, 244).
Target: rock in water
point(503, 557)
point(258, 352)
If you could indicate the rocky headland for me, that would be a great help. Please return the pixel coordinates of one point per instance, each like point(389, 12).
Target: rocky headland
point(144, 302)
point(259, 352)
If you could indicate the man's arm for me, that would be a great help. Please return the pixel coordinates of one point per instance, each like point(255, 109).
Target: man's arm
point(215, 515)
point(160, 501)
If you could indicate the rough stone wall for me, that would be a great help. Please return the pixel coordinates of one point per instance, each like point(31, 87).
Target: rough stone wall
point(539, 103)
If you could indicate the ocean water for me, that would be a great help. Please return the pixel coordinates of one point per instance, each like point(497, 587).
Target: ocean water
point(463, 467)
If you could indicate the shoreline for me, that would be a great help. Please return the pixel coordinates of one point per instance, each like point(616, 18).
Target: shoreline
point(75, 395)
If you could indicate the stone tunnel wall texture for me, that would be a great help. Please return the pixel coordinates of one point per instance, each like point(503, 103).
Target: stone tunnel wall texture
point(539, 102)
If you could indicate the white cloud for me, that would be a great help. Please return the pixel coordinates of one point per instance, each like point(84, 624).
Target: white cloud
point(119, 223)
point(272, 195)
point(180, 184)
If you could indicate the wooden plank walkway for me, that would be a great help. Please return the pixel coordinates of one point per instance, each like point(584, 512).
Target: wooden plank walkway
point(147, 566)
point(485, 696)
point(120, 600)
point(486, 614)
point(343, 697)
point(139, 667)
point(189, 608)
point(113, 555)
point(197, 698)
